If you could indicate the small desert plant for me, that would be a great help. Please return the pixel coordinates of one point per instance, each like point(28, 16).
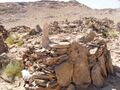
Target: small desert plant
point(11, 39)
point(111, 33)
point(19, 43)
point(13, 69)
point(14, 39)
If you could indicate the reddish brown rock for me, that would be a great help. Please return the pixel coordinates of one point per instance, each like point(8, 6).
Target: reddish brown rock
point(64, 73)
point(102, 65)
point(109, 65)
point(90, 37)
point(78, 54)
point(97, 78)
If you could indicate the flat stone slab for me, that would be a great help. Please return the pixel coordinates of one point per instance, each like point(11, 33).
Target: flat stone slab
point(60, 45)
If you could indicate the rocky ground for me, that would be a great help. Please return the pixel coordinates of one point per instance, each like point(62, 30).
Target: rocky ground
point(44, 55)
point(72, 51)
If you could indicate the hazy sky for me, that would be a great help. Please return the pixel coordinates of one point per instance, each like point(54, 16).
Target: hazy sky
point(97, 4)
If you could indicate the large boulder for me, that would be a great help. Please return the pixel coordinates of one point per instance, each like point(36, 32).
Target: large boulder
point(79, 56)
point(64, 73)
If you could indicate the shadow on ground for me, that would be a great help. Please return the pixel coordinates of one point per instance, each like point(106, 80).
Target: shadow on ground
point(112, 82)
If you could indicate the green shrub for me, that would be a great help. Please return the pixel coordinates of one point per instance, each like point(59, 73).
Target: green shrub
point(9, 41)
point(13, 69)
point(19, 43)
point(111, 33)
point(14, 39)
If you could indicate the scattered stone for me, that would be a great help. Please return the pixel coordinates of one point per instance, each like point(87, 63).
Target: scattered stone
point(102, 26)
point(60, 45)
point(90, 37)
point(93, 50)
point(4, 60)
point(13, 50)
point(33, 32)
point(38, 28)
point(26, 74)
point(20, 29)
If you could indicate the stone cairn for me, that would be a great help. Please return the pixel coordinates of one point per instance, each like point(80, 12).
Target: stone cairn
point(66, 65)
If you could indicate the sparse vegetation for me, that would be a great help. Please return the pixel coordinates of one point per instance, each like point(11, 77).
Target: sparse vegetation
point(14, 39)
point(111, 33)
point(13, 69)
point(19, 43)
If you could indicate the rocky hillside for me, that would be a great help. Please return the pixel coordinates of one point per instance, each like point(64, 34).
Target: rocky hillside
point(32, 13)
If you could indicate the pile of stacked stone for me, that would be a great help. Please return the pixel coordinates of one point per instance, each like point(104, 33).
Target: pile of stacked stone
point(67, 65)
point(82, 25)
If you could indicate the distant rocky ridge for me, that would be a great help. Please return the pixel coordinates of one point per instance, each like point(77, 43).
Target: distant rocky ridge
point(39, 12)
point(16, 7)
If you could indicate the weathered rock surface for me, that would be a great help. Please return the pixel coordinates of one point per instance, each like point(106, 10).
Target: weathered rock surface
point(71, 87)
point(3, 32)
point(97, 77)
point(64, 73)
point(3, 46)
point(45, 36)
point(81, 74)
